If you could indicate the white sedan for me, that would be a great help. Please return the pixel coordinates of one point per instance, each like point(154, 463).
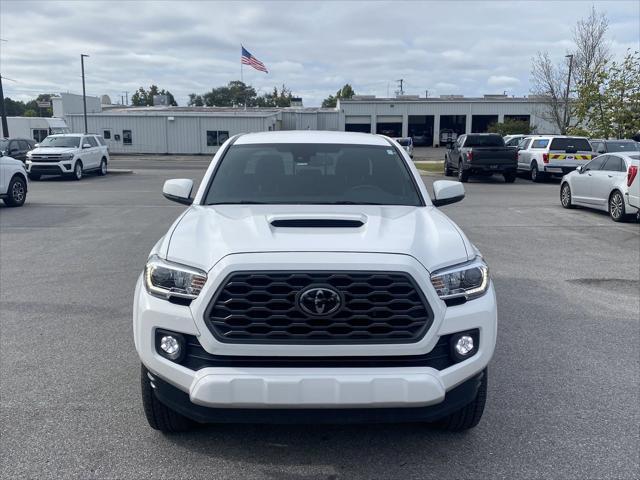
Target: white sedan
point(608, 182)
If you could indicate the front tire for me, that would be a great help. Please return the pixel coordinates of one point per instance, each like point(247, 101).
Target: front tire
point(462, 175)
point(616, 207)
point(159, 416)
point(447, 170)
point(17, 192)
point(565, 196)
point(77, 171)
point(469, 415)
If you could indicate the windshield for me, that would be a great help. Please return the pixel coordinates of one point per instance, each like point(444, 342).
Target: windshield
point(622, 147)
point(570, 144)
point(3, 145)
point(484, 141)
point(61, 142)
point(323, 174)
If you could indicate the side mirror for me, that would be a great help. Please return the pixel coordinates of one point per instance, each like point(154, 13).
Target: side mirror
point(580, 169)
point(446, 192)
point(86, 145)
point(36, 145)
point(178, 190)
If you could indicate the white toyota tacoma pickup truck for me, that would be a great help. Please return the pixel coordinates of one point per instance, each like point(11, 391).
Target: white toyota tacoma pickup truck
point(313, 279)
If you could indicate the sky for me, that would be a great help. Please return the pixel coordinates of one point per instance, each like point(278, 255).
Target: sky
point(443, 47)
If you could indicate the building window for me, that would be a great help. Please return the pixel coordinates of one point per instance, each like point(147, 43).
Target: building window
point(106, 134)
point(39, 134)
point(215, 138)
point(126, 137)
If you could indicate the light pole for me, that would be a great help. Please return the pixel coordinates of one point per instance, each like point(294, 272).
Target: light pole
point(566, 96)
point(84, 93)
point(3, 113)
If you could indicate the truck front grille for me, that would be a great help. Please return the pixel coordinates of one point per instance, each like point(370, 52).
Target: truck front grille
point(266, 307)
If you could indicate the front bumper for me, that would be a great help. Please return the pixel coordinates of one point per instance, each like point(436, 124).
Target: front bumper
point(561, 168)
point(180, 402)
point(291, 387)
point(49, 168)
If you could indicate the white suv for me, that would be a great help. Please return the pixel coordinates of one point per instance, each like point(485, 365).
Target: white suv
point(13, 182)
point(68, 154)
point(552, 155)
point(312, 277)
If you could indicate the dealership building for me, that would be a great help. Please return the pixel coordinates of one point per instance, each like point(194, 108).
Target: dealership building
point(201, 130)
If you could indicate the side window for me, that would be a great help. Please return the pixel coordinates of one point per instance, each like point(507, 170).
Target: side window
point(23, 145)
point(597, 147)
point(596, 163)
point(461, 140)
point(614, 164)
point(540, 143)
point(91, 141)
point(106, 134)
point(524, 143)
point(127, 138)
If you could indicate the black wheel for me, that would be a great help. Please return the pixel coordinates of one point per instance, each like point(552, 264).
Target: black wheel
point(565, 196)
point(447, 170)
point(33, 176)
point(159, 416)
point(17, 192)
point(616, 207)
point(103, 167)
point(462, 175)
point(469, 415)
point(536, 176)
point(77, 171)
point(510, 177)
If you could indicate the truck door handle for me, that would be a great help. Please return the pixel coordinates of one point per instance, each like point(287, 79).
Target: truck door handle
point(609, 176)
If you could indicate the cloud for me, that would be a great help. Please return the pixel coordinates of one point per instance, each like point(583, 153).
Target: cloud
point(502, 81)
point(312, 47)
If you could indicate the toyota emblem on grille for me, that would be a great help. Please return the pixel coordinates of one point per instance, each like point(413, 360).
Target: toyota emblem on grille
point(319, 301)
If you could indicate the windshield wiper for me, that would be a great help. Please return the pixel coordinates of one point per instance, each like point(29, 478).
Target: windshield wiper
point(349, 202)
point(243, 202)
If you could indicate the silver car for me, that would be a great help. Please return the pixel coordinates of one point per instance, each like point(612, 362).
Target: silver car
point(609, 182)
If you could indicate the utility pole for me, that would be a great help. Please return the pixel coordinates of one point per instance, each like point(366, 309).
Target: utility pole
point(126, 98)
point(3, 113)
point(566, 96)
point(401, 81)
point(84, 93)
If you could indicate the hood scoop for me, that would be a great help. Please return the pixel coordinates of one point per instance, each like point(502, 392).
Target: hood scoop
point(317, 221)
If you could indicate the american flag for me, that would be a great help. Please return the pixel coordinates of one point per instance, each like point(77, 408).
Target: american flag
point(248, 59)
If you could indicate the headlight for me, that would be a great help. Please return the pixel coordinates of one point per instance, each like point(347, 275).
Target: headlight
point(29, 154)
point(166, 279)
point(467, 280)
point(66, 156)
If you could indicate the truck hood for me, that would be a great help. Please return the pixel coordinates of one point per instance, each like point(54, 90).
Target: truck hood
point(206, 234)
point(53, 150)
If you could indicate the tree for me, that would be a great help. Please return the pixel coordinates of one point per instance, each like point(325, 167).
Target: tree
point(609, 104)
point(550, 80)
point(195, 100)
point(345, 92)
point(511, 127)
point(144, 98)
point(32, 107)
point(14, 108)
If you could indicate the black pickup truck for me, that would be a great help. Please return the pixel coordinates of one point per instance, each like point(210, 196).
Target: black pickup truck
point(481, 154)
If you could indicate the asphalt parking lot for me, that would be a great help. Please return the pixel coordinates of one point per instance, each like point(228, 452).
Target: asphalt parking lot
point(563, 393)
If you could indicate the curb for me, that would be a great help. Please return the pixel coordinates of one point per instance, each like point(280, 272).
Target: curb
point(119, 171)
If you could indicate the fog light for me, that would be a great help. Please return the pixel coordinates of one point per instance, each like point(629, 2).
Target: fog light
point(170, 345)
point(464, 345)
